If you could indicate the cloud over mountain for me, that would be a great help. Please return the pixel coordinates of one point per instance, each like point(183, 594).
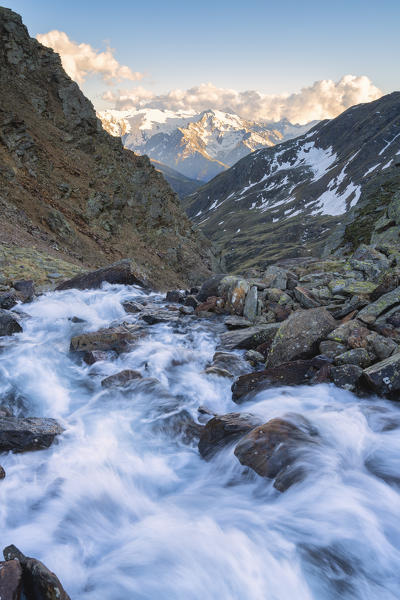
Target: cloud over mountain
point(81, 60)
point(323, 99)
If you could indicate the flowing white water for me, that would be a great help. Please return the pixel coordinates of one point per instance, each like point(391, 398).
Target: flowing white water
point(122, 507)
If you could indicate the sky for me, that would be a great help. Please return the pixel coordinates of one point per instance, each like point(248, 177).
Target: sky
point(184, 54)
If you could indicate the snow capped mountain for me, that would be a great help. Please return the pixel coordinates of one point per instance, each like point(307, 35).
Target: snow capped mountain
point(197, 145)
point(290, 198)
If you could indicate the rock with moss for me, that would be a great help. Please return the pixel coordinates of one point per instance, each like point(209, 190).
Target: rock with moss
point(384, 377)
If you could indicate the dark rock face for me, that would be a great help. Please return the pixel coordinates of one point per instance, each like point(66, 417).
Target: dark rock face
point(23, 434)
point(8, 300)
point(122, 378)
point(39, 583)
point(249, 338)
point(26, 289)
point(272, 448)
point(296, 372)
point(299, 336)
point(113, 338)
point(175, 296)
point(102, 202)
point(121, 272)
point(92, 356)
point(8, 324)
point(2, 473)
point(347, 376)
point(10, 580)
point(224, 429)
point(384, 377)
point(210, 288)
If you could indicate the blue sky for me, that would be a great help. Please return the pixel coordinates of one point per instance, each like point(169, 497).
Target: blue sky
point(272, 47)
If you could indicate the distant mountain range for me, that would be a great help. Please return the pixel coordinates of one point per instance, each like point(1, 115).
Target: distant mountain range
point(197, 145)
point(326, 188)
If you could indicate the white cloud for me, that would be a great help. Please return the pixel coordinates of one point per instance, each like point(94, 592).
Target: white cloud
point(324, 99)
point(81, 60)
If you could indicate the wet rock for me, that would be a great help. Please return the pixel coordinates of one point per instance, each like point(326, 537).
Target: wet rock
point(229, 362)
point(254, 357)
point(191, 302)
point(39, 583)
point(234, 322)
point(2, 476)
point(186, 310)
point(152, 317)
point(384, 376)
point(8, 323)
point(214, 370)
point(331, 349)
point(370, 313)
point(296, 372)
point(113, 338)
point(300, 335)
point(213, 304)
point(175, 296)
point(121, 379)
point(305, 298)
point(356, 356)
point(249, 338)
point(10, 580)
point(272, 448)
point(8, 300)
point(347, 376)
point(93, 356)
point(122, 272)
point(132, 307)
point(224, 429)
point(210, 288)
point(23, 434)
point(25, 288)
point(250, 304)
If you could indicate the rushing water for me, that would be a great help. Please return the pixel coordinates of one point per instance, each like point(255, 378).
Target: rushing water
point(122, 507)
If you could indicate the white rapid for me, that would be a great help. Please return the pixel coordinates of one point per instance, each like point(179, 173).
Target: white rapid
point(122, 507)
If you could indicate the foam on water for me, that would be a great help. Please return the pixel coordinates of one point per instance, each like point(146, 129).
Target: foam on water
point(123, 507)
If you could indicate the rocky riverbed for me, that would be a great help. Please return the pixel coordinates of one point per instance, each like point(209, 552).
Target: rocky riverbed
point(204, 444)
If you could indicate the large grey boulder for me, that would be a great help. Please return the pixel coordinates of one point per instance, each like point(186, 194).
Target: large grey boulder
point(122, 272)
point(384, 376)
point(249, 338)
point(223, 429)
point(299, 336)
point(370, 313)
point(31, 433)
point(8, 323)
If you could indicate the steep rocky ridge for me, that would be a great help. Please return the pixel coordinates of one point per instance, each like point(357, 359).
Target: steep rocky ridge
point(311, 195)
point(68, 188)
point(197, 145)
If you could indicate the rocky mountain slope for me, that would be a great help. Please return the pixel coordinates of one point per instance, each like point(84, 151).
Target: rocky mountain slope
point(325, 189)
point(197, 145)
point(68, 188)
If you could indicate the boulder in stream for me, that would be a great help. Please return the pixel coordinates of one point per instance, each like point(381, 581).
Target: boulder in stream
point(122, 378)
point(30, 433)
point(10, 580)
point(8, 323)
point(113, 338)
point(224, 429)
point(122, 272)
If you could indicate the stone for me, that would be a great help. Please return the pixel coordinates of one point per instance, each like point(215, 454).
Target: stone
point(380, 346)
point(356, 356)
point(31, 433)
point(383, 304)
point(384, 376)
point(175, 296)
point(39, 583)
point(394, 319)
point(152, 317)
point(235, 322)
point(213, 304)
point(123, 272)
point(254, 357)
point(191, 302)
point(2, 476)
point(224, 429)
point(276, 277)
point(305, 298)
point(351, 329)
point(229, 362)
point(8, 323)
point(299, 336)
point(280, 313)
point(278, 296)
point(354, 304)
point(249, 338)
point(273, 447)
point(347, 376)
point(132, 307)
point(26, 289)
point(210, 288)
point(10, 580)
point(92, 356)
point(359, 288)
point(296, 372)
point(213, 370)
point(8, 300)
point(5, 411)
point(234, 291)
point(250, 304)
point(121, 379)
point(186, 310)
point(113, 338)
point(331, 349)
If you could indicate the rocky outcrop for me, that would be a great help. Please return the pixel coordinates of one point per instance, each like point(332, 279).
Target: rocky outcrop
point(122, 272)
point(31, 433)
point(8, 323)
point(69, 188)
point(113, 338)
